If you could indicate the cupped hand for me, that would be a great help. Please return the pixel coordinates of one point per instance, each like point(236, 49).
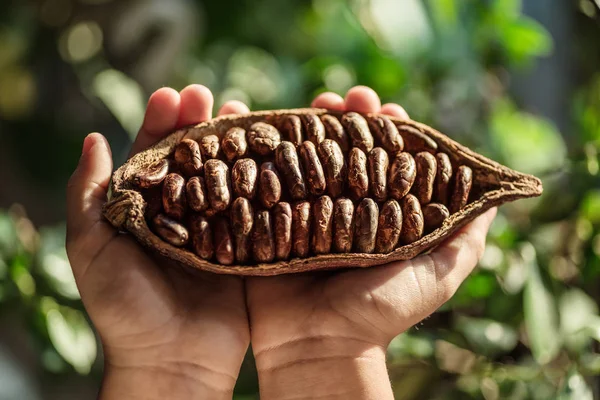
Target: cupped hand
point(155, 320)
point(324, 321)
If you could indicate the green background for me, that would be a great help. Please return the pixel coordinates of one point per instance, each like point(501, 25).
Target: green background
point(516, 81)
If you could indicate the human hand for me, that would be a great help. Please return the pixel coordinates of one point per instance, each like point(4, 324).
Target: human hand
point(166, 332)
point(325, 334)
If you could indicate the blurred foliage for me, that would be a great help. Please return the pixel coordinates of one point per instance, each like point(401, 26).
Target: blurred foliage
point(524, 325)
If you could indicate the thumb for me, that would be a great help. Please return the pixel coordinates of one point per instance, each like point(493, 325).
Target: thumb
point(86, 191)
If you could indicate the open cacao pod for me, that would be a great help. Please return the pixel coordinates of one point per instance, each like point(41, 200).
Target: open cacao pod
point(275, 192)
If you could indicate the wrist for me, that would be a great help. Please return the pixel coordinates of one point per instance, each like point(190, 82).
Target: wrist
point(324, 367)
point(168, 381)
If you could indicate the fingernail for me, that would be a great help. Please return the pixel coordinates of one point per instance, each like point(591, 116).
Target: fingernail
point(88, 142)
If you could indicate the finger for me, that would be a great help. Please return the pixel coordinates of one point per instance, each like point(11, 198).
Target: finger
point(233, 107)
point(395, 110)
point(330, 101)
point(363, 99)
point(86, 191)
point(196, 105)
point(161, 117)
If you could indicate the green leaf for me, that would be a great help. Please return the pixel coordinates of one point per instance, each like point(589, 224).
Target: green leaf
point(541, 318)
point(486, 336)
point(526, 142)
point(71, 336)
point(525, 39)
point(590, 206)
point(575, 388)
point(577, 309)
point(506, 9)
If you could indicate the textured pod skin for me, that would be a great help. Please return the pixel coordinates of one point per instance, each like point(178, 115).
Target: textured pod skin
point(491, 185)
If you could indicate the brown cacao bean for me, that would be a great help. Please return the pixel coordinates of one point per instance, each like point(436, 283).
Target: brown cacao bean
point(442, 177)
point(378, 168)
point(389, 228)
point(315, 131)
point(462, 187)
point(263, 138)
point(426, 171)
point(188, 158)
point(334, 167)
point(343, 225)
point(209, 146)
point(202, 237)
point(358, 178)
point(386, 132)
point(282, 216)
point(313, 170)
point(263, 243)
point(269, 185)
point(412, 219)
point(153, 175)
point(173, 196)
point(335, 131)
point(286, 160)
point(416, 141)
point(322, 223)
point(216, 178)
point(243, 177)
point(434, 215)
point(402, 175)
point(242, 221)
point(234, 143)
point(292, 127)
point(358, 129)
point(170, 230)
point(223, 242)
point(195, 191)
point(366, 221)
point(301, 228)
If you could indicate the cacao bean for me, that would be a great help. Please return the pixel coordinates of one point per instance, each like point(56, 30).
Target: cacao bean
point(366, 221)
point(202, 237)
point(402, 175)
point(195, 191)
point(343, 225)
point(416, 141)
point(264, 243)
point(216, 178)
point(209, 146)
point(335, 131)
point(322, 223)
point(378, 168)
point(153, 175)
point(462, 187)
point(170, 230)
point(286, 160)
point(313, 170)
point(301, 229)
point(358, 178)
point(292, 126)
point(188, 158)
point(263, 138)
point(243, 177)
point(173, 196)
point(389, 228)
point(269, 185)
point(234, 143)
point(334, 166)
point(434, 215)
point(442, 178)
point(386, 132)
point(358, 129)
point(315, 131)
point(282, 216)
point(426, 171)
point(412, 219)
point(223, 241)
point(242, 221)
